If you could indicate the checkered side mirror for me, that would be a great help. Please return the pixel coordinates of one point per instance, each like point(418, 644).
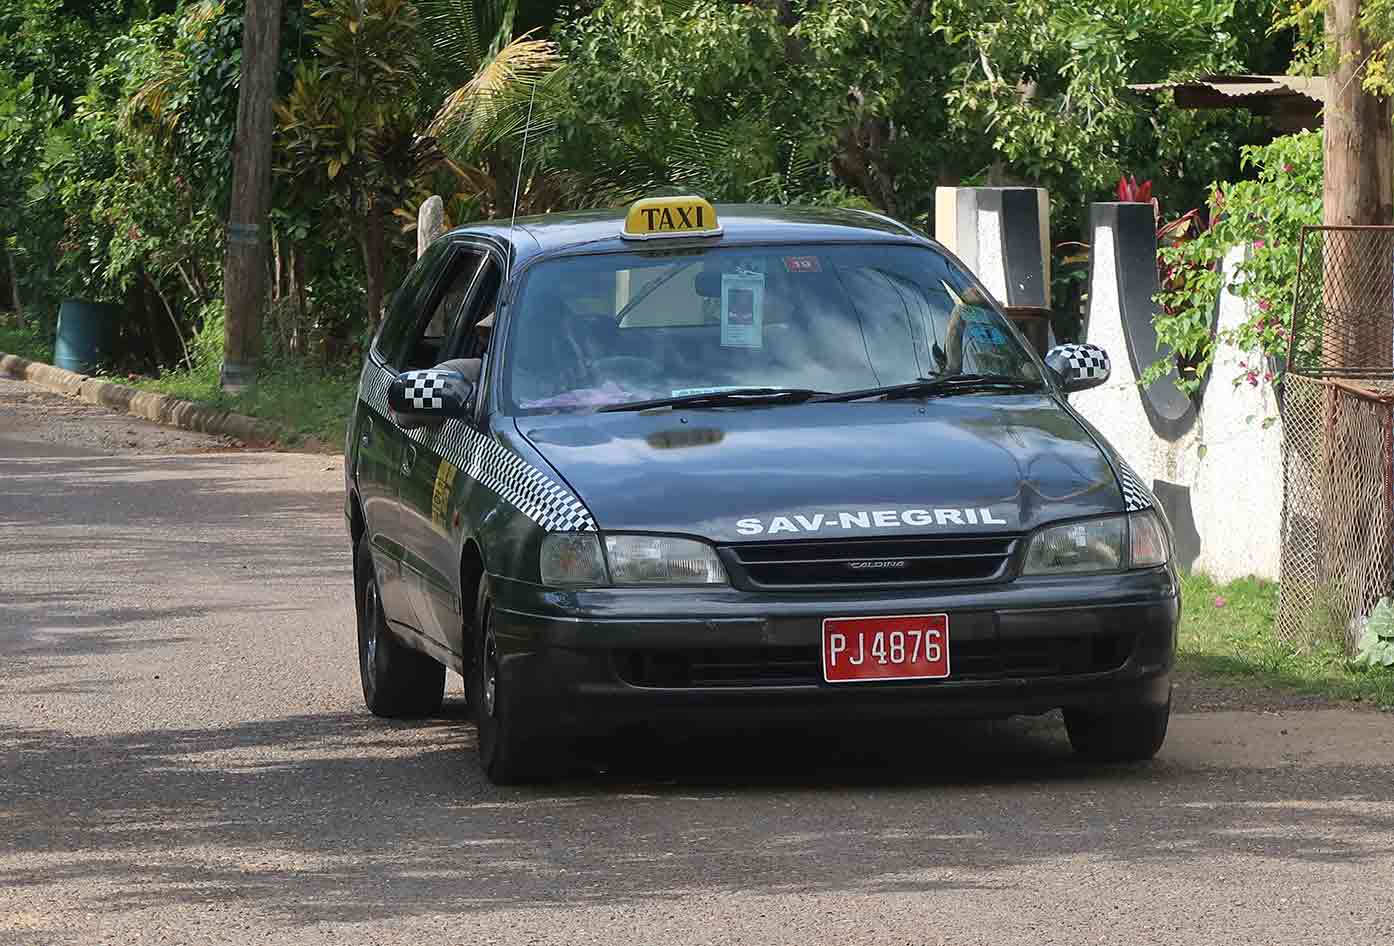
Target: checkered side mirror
point(432, 393)
point(1079, 366)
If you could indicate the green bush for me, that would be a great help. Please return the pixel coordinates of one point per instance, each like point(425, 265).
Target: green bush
point(30, 341)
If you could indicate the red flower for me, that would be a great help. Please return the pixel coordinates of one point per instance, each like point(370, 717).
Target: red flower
point(1264, 305)
point(1287, 167)
point(1259, 244)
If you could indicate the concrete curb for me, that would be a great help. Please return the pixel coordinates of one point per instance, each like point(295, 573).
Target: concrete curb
point(160, 408)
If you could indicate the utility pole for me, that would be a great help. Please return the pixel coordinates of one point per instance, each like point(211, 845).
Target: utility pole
point(244, 268)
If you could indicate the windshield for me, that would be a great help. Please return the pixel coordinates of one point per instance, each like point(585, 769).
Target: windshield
point(594, 331)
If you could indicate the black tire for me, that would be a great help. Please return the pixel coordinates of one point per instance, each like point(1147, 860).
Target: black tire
point(513, 747)
point(397, 681)
point(1132, 736)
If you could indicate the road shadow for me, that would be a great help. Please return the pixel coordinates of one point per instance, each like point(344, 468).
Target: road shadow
point(341, 817)
point(108, 552)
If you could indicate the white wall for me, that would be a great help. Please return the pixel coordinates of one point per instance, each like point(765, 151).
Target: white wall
point(1237, 485)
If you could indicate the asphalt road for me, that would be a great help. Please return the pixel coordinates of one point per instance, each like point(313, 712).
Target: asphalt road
point(184, 759)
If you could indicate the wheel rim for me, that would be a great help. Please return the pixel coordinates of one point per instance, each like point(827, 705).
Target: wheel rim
point(491, 671)
point(370, 620)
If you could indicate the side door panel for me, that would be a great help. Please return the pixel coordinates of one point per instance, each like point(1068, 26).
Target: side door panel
point(379, 478)
point(381, 440)
point(432, 479)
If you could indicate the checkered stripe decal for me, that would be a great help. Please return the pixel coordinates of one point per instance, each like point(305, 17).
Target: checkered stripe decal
point(1135, 495)
point(515, 480)
point(1086, 361)
point(373, 386)
point(423, 388)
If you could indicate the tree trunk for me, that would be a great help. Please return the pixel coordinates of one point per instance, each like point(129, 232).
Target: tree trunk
point(14, 288)
point(1358, 189)
point(244, 274)
point(295, 272)
point(374, 259)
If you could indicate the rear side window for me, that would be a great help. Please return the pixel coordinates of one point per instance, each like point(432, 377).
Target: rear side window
point(404, 306)
point(426, 347)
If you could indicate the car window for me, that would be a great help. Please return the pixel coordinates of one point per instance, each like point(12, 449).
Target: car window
point(426, 346)
point(403, 308)
point(473, 339)
point(604, 329)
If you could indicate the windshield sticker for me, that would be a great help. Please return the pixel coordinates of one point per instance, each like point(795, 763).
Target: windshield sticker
point(742, 310)
point(802, 264)
point(689, 392)
point(870, 519)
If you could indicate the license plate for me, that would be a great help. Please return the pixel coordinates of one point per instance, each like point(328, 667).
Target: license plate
point(909, 647)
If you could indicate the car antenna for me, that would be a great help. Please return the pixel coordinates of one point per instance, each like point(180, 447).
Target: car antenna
point(518, 184)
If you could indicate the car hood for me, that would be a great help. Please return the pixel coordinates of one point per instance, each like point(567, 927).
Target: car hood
point(958, 465)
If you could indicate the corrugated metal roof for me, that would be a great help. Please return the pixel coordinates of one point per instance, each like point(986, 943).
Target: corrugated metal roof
point(1238, 87)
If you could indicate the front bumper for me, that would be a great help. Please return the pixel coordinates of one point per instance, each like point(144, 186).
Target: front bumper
point(586, 659)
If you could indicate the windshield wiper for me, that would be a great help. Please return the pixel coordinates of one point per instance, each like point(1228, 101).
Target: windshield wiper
point(940, 386)
point(734, 397)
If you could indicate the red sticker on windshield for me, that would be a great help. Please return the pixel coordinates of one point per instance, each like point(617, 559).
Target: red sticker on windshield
point(802, 264)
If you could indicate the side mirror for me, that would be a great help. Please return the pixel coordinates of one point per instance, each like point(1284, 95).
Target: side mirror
point(1080, 367)
point(422, 397)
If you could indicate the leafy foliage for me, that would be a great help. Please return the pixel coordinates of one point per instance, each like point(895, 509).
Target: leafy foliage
point(349, 125)
point(1266, 215)
point(1377, 642)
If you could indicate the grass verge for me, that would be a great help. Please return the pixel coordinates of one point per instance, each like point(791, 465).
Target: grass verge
point(300, 401)
point(1234, 644)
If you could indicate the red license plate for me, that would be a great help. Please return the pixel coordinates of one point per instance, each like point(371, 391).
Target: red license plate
point(910, 647)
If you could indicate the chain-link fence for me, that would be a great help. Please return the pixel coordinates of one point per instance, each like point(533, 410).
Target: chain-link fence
point(1343, 307)
point(1337, 528)
point(1338, 436)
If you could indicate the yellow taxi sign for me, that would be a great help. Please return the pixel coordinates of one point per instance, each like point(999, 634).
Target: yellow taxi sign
point(655, 217)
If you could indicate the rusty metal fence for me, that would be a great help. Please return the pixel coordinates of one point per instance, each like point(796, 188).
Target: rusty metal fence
point(1338, 436)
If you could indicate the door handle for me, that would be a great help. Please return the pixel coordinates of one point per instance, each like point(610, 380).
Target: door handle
point(408, 459)
point(367, 436)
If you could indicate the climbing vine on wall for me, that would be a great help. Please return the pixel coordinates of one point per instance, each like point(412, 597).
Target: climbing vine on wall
point(1266, 215)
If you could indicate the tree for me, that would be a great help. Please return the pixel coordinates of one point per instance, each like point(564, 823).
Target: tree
point(350, 124)
point(879, 101)
point(503, 88)
point(27, 117)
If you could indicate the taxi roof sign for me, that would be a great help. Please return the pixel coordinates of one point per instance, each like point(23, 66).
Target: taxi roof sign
point(657, 217)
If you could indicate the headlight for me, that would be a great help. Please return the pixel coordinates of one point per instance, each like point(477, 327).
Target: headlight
point(661, 560)
point(1136, 540)
point(574, 559)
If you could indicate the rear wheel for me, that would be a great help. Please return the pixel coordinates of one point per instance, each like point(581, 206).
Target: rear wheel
point(513, 747)
point(1131, 736)
point(397, 681)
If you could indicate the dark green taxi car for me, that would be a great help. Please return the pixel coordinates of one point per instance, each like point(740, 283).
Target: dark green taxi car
point(691, 463)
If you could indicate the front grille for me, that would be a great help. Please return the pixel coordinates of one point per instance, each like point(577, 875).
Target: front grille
point(858, 563)
point(724, 666)
point(986, 659)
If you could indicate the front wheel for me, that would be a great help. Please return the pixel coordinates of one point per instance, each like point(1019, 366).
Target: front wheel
point(513, 747)
point(397, 681)
point(1130, 736)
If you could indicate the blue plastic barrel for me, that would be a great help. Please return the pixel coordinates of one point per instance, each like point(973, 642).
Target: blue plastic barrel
point(84, 329)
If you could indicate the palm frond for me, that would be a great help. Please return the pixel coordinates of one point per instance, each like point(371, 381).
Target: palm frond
point(485, 108)
point(467, 33)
